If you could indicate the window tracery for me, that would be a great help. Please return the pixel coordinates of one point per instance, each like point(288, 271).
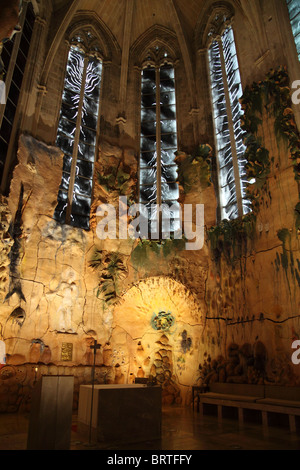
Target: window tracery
point(294, 13)
point(77, 129)
point(226, 90)
point(159, 191)
point(14, 57)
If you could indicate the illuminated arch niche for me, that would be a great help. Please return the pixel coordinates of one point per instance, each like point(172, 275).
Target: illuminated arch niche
point(171, 353)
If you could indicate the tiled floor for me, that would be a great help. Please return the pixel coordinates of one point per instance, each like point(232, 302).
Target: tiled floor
point(182, 430)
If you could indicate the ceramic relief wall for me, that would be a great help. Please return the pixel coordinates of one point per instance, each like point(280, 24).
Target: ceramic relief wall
point(64, 287)
point(228, 312)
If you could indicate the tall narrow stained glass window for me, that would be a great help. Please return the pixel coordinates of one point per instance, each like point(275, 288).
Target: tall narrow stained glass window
point(294, 12)
point(159, 190)
point(77, 133)
point(226, 91)
point(14, 56)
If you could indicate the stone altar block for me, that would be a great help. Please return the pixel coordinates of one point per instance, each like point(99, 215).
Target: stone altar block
point(51, 413)
point(121, 413)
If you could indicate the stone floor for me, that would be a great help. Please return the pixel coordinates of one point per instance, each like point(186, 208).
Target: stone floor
point(182, 430)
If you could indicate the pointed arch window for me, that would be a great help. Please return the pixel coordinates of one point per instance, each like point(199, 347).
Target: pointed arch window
point(294, 13)
point(226, 90)
point(158, 187)
point(13, 58)
point(77, 130)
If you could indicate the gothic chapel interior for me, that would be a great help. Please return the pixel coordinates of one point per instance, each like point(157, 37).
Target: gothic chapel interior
point(149, 172)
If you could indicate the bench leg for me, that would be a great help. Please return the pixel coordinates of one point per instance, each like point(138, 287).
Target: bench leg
point(198, 401)
point(219, 413)
point(241, 416)
point(265, 423)
point(264, 415)
point(201, 409)
point(292, 422)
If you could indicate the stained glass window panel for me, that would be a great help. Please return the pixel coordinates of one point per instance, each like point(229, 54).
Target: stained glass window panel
point(81, 94)
point(294, 12)
point(147, 159)
point(235, 93)
point(13, 87)
point(166, 131)
point(83, 186)
point(86, 151)
point(148, 176)
point(227, 114)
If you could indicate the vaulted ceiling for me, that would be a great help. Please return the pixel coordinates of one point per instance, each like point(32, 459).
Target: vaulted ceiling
point(126, 21)
point(180, 16)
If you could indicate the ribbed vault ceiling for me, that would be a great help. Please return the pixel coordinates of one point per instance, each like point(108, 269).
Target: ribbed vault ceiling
point(179, 16)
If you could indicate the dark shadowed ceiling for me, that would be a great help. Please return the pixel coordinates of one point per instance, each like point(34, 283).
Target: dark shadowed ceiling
point(180, 16)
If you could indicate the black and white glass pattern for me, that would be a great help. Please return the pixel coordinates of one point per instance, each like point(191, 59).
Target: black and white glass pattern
point(158, 124)
point(70, 123)
point(294, 12)
point(227, 181)
point(14, 89)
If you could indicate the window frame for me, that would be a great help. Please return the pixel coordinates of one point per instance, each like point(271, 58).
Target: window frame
point(156, 62)
point(89, 50)
point(297, 46)
point(216, 35)
point(8, 80)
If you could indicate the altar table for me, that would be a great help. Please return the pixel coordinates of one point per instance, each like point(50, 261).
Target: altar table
point(121, 413)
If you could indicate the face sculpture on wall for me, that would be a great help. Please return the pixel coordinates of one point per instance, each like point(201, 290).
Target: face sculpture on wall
point(162, 321)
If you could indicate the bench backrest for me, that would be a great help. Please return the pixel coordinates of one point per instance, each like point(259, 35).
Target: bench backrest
point(264, 391)
point(282, 393)
point(238, 389)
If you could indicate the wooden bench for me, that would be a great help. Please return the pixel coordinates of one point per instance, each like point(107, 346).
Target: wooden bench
point(264, 399)
point(283, 400)
point(238, 396)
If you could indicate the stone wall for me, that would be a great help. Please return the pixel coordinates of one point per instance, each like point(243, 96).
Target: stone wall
point(143, 302)
point(226, 312)
point(156, 308)
point(252, 293)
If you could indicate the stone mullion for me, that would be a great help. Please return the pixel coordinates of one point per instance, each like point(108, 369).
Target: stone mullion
point(158, 153)
point(76, 143)
point(37, 34)
point(125, 55)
